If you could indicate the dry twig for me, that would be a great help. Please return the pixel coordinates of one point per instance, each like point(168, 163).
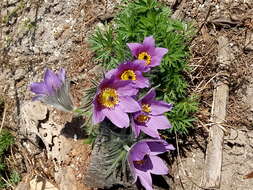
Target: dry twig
point(4, 114)
point(213, 161)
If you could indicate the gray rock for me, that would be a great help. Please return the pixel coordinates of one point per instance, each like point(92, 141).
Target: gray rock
point(19, 74)
point(23, 186)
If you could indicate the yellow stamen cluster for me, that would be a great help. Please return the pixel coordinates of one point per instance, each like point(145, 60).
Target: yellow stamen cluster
point(142, 118)
point(108, 97)
point(146, 108)
point(145, 56)
point(128, 75)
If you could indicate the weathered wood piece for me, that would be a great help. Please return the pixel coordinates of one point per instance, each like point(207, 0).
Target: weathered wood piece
point(213, 161)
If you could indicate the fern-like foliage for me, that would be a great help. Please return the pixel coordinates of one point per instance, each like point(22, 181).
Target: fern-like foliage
point(6, 139)
point(142, 18)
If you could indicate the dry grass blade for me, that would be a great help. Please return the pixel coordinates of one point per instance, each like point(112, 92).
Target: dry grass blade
point(4, 115)
point(9, 184)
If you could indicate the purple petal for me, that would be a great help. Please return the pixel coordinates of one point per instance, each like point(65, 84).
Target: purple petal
point(51, 80)
point(39, 88)
point(138, 65)
point(115, 83)
point(158, 122)
point(123, 88)
point(149, 45)
point(160, 52)
point(148, 98)
point(97, 115)
point(127, 90)
point(112, 82)
point(155, 61)
point(129, 105)
point(106, 82)
point(125, 66)
point(149, 41)
point(142, 65)
point(160, 107)
point(141, 81)
point(160, 167)
point(117, 116)
point(151, 132)
point(135, 128)
point(139, 150)
point(145, 179)
point(169, 147)
point(134, 47)
point(110, 73)
point(159, 146)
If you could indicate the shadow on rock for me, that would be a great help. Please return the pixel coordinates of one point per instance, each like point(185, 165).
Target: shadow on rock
point(73, 129)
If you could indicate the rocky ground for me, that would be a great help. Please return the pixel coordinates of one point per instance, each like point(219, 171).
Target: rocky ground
point(232, 19)
point(36, 35)
point(53, 33)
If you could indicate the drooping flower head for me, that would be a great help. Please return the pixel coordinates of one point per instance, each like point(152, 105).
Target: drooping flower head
point(151, 117)
point(131, 71)
point(54, 90)
point(148, 52)
point(113, 100)
point(143, 160)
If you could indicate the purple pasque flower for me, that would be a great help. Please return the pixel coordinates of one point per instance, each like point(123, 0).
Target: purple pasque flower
point(151, 117)
point(143, 160)
point(114, 100)
point(152, 106)
point(54, 90)
point(131, 71)
point(148, 52)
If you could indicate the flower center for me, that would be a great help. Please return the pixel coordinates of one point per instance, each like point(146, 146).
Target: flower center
point(139, 162)
point(128, 75)
point(142, 118)
point(144, 164)
point(146, 108)
point(108, 97)
point(145, 56)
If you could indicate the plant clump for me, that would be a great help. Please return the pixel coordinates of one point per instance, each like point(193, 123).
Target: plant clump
point(118, 101)
point(7, 177)
point(142, 18)
point(141, 98)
